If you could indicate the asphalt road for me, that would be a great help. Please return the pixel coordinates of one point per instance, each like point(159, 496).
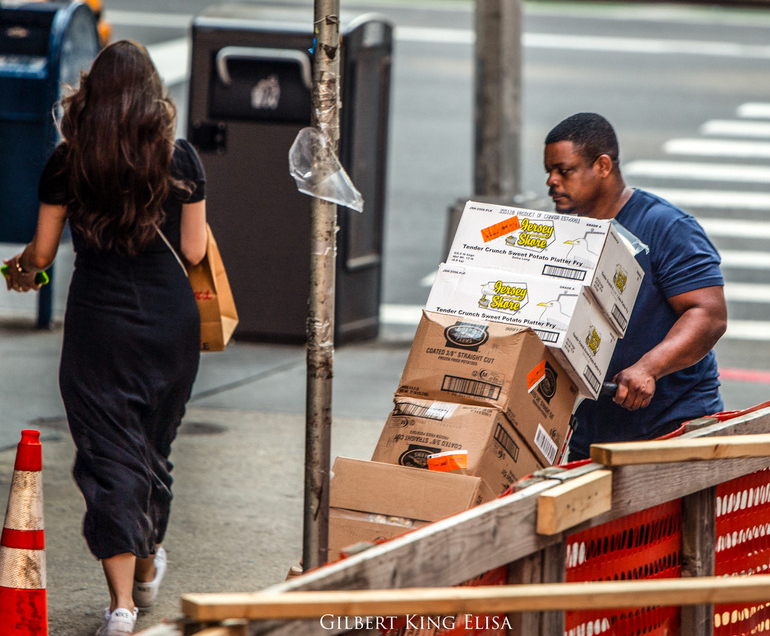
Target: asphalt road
point(684, 87)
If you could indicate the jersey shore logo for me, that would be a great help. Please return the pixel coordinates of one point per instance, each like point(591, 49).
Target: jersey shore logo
point(533, 236)
point(466, 335)
point(620, 279)
point(504, 297)
point(593, 340)
point(266, 93)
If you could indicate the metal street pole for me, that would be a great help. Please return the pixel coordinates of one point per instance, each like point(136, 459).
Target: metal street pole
point(320, 322)
point(497, 169)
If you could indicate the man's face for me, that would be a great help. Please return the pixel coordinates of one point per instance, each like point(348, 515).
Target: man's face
point(573, 181)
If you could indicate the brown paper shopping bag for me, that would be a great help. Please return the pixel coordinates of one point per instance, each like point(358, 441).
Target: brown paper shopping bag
point(219, 317)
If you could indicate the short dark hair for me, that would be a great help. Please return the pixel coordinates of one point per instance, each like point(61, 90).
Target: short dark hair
point(591, 134)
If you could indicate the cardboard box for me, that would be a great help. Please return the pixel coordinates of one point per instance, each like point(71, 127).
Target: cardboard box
point(562, 313)
point(370, 501)
point(496, 451)
point(587, 251)
point(490, 364)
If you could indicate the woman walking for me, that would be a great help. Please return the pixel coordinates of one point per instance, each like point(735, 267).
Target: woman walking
point(131, 339)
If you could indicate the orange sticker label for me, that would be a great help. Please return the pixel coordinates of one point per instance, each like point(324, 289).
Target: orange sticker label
point(535, 376)
point(500, 229)
point(451, 460)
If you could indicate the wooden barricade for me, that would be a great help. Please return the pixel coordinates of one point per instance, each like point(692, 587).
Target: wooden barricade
point(527, 533)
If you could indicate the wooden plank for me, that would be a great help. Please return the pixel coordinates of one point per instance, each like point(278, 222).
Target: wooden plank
point(574, 501)
point(554, 571)
point(698, 541)
point(447, 552)
point(225, 630)
point(483, 534)
point(525, 571)
point(163, 629)
point(493, 599)
point(639, 487)
point(749, 424)
point(681, 450)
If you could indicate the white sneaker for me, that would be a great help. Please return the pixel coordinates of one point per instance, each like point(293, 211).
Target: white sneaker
point(117, 623)
point(146, 591)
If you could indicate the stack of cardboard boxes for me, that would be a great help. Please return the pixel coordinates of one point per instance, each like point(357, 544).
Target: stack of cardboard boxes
point(521, 320)
point(574, 280)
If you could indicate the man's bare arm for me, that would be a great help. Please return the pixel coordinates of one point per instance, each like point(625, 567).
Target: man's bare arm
point(702, 321)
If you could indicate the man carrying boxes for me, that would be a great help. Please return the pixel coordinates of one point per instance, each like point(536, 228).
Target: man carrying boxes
point(532, 311)
point(664, 367)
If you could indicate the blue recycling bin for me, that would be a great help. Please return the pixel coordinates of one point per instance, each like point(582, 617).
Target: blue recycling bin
point(43, 46)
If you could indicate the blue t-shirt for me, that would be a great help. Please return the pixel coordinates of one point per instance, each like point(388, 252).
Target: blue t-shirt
point(681, 259)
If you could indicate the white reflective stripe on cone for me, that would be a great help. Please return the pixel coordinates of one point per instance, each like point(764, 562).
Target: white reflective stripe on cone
point(25, 503)
point(22, 569)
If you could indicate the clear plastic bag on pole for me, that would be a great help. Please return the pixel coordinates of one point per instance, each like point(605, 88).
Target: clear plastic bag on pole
point(318, 172)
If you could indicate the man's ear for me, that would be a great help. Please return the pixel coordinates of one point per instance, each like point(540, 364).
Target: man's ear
point(604, 165)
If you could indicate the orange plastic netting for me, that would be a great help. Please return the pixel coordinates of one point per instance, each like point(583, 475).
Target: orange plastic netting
point(743, 547)
point(644, 545)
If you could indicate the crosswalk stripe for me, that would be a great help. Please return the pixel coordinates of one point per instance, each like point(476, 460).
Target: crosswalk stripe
point(697, 171)
point(716, 199)
point(736, 128)
point(747, 330)
point(754, 110)
point(736, 228)
point(718, 148)
point(747, 292)
point(746, 259)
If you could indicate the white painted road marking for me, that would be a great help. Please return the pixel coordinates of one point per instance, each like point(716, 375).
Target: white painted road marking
point(745, 259)
point(556, 41)
point(754, 110)
point(736, 128)
point(716, 199)
point(718, 148)
point(687, 170)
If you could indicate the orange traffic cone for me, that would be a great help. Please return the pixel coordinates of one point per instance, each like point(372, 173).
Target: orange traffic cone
point(23, 604)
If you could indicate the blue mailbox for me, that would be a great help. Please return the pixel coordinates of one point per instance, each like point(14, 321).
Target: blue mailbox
point(43, 45)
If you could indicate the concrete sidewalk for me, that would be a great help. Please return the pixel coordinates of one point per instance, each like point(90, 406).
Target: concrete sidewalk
point(236, 523)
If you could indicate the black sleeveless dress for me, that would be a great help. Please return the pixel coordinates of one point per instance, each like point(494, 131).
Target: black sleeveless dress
point(129, 358)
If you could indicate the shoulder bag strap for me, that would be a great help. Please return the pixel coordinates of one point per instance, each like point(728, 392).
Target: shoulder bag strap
point(173, 251)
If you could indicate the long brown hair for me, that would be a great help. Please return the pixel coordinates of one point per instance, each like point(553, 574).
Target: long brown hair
point(118, 131)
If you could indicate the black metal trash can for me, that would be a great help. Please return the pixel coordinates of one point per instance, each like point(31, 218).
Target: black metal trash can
point(250, 93)
point(43, 45)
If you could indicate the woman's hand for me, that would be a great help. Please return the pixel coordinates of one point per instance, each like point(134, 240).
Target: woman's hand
point(16, 278)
